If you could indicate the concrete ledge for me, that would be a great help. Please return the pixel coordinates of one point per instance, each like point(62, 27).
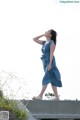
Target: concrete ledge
point(47, 116)
point(53, 109)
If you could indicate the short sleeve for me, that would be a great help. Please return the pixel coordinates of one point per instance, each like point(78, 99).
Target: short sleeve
point(43, 42)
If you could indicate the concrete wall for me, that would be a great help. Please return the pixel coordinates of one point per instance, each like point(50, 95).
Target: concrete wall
point(51, 110)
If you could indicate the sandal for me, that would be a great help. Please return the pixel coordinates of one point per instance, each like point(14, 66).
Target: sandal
point(56, 99)
point(37, 98)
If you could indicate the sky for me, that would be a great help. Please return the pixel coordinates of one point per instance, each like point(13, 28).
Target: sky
point(20, 63)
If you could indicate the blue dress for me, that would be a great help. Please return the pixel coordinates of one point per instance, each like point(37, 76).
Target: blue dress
point(53, 75)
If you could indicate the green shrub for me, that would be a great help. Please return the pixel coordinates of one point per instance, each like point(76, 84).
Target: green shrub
point(49, 95)
point(12, 106)
point(1, 93)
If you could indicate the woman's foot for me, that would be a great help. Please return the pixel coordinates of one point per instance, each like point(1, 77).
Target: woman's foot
point(37, 98)
point(56, 98)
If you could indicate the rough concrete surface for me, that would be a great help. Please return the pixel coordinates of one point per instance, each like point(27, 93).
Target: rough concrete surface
point(61, 110)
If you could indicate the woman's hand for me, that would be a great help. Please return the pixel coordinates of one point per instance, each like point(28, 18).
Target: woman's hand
point(36, 39)
point(49, 67)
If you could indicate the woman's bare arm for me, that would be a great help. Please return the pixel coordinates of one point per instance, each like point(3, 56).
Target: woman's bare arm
point(52, 48)
point(36, 39)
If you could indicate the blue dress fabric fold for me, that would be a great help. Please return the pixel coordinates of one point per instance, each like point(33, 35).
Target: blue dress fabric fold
point(52, 76)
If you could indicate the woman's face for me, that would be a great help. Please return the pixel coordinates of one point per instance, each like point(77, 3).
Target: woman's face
point(48, 33)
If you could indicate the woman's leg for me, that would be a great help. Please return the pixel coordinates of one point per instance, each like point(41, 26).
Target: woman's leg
point(55, 92)
point(42, 90)
point(41, 93)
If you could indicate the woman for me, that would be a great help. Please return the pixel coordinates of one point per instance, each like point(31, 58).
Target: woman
point(52, 74)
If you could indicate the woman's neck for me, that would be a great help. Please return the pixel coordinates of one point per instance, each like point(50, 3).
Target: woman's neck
point(47, 38)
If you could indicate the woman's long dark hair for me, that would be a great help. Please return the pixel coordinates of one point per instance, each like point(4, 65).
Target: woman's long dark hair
point(53, 37)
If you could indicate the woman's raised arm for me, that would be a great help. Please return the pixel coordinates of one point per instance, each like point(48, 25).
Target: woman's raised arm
point(36, 39)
